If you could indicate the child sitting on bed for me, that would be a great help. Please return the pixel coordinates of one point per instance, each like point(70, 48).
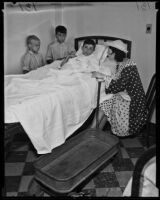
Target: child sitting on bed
point(59, 49)
point(32, 58)
point(85, 58)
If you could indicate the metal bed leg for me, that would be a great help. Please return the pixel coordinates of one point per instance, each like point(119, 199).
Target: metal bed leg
point(34, 189)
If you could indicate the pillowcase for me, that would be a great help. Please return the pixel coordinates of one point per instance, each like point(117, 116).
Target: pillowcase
point(103, 56)
point(100, 52)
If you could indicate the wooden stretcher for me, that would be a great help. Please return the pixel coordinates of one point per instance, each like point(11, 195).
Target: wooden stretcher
point(78, 158)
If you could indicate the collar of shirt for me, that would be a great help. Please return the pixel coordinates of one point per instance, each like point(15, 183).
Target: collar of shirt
point(60, 44)
point(31, 52)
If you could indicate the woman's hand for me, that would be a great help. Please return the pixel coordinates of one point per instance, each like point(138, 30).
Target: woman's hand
point(123, 93)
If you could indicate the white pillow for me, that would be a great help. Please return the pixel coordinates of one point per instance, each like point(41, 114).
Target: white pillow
point(98, 53)
point(103, 56)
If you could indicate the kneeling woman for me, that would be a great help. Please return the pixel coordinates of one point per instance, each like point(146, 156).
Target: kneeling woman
point(126, 110)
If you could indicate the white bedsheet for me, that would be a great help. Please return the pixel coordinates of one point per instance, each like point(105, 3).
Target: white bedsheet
point(50, 104)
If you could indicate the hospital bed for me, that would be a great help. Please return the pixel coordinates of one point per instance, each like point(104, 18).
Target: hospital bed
point(67, 116)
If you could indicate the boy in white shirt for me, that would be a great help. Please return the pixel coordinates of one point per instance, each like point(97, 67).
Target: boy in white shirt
point(59, 49)
point(32, 58)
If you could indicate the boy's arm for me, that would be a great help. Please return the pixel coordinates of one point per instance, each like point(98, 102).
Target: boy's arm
point(49, 56)
point(71, 51)
point(26, 63)
point(65, 60)
point(42, 61)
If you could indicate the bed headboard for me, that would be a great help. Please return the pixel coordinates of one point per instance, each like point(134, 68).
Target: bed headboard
point(101, 39)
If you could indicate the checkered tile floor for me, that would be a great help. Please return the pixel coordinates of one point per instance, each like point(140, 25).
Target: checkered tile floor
point(109, 181)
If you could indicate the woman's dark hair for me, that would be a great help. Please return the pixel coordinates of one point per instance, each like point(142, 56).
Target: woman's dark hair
point(89, 41)
point(119, 55)
point(61, 29)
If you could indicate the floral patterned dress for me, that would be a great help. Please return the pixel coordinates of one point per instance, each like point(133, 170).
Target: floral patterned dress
point(126, 117)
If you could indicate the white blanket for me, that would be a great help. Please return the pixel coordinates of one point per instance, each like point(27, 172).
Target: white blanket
point(50, 104)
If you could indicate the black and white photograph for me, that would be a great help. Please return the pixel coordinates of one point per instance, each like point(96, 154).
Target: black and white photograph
point(80, 99)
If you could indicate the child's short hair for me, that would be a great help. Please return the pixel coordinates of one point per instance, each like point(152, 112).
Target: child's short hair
point(89, 41)
point(31, 37)
point(61, 29)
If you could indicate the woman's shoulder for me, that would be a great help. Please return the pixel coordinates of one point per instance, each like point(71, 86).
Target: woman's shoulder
point(128, 62)
point(128, 66)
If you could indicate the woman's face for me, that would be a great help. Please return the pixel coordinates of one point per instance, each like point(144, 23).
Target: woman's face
point(111, 55)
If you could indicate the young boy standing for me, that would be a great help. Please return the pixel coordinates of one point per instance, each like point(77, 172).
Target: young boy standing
point(32, 58)
point(59, 49)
